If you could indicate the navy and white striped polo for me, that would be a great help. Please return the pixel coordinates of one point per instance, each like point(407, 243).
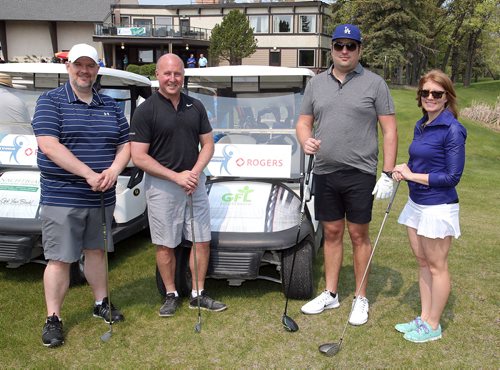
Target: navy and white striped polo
point(92, 132)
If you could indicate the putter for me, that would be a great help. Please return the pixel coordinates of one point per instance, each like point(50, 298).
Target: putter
point(106, 336)
point(197, 327)
point(331, 349)
point(289, 323)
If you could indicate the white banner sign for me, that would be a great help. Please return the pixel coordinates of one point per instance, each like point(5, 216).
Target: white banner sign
point(131, 31)
point(18, 149)
point(249, 160)
point(238, 206)
point(19, 194)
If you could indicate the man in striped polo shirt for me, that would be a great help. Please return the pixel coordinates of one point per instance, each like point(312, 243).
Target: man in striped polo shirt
point(83, 145)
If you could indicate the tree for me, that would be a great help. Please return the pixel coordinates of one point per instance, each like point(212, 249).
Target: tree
point(395, 34)
point(232, 39)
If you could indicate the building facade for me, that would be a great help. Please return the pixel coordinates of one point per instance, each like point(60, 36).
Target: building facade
point(291, 34)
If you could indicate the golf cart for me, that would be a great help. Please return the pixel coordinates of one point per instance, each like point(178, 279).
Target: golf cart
point(20, 225)
point(255, 179)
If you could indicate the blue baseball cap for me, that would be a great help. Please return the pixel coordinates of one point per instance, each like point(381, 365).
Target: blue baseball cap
point(347, 31)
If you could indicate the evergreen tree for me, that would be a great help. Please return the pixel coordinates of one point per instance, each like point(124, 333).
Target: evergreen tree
point(232, 39)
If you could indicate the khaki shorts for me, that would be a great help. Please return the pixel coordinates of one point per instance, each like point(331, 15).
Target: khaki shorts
point(169, 213)
point(67, 231)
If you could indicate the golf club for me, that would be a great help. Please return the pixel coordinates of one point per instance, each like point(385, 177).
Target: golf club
point(331, 349)
point(106, 336)
point(288, 323)
point(197, 327)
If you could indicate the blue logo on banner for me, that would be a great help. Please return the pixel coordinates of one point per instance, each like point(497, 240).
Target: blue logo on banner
point(18, 143)
point(227, 153)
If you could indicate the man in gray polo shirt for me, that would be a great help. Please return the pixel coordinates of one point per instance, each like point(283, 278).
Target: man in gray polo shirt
point(338, 125)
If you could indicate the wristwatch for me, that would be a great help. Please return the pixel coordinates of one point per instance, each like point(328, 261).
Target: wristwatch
point(388, 173)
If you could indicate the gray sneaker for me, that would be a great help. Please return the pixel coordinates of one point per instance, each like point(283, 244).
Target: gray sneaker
point(207, 303)
point(170, 305)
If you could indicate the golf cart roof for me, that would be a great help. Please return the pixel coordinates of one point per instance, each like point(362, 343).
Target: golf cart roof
point(110, 76)
point(247, 71)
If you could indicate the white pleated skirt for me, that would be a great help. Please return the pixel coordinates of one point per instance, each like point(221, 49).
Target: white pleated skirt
point(433, 222)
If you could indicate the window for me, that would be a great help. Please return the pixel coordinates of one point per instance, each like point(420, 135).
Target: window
point(164, 22)
point(325, 58)
point(143, 22)
point(325, 23)
point(259, 23)
point(143, 25)
point(275, 57)
point(124, 21)
point(145, 56)
point(282, 24)
point(307, 23)
point(184, 25)
point(306, 58)
point(163, 26)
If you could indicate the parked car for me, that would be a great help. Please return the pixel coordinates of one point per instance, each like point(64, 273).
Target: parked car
point(20, 225)
point(255, 179)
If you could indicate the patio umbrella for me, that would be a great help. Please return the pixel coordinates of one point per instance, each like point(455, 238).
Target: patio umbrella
point(62, 54)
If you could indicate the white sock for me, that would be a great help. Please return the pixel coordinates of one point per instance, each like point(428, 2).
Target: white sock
point(175, 292)
point(97, 303)
point(194, 293)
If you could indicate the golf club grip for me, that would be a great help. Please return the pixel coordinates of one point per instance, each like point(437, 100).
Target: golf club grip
point(309, 168)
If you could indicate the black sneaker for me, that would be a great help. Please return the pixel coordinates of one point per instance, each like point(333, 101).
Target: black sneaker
point(102, 311)
point(52, 333)
point(207, 303)
point(170, 305)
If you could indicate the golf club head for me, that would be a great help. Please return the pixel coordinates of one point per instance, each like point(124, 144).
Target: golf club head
point(106, 336)
point(289, 324)
point(197, 328)
point(329, 349)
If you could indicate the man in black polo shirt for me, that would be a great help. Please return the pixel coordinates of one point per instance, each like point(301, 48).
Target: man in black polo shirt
point(166, 132)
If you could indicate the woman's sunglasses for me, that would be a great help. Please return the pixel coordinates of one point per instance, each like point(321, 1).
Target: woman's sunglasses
point(339, 46)
point(435, 94)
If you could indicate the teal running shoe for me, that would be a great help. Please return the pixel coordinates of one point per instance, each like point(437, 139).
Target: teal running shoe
point(424, 333)
point(409, 326)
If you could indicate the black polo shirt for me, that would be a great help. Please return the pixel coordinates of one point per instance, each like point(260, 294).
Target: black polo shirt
point(173, 135)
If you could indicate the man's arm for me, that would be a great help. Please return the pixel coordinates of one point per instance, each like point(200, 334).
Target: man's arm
point(65, 159)
point(121, 160)
point(148, 164)
point(206, 152)
point(304, 133)
point(390, 137)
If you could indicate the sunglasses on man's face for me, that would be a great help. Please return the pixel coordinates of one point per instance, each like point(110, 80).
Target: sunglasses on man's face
point(435, 94)
point(350, 46)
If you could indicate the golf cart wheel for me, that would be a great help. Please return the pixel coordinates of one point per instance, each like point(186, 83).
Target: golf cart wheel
point(182, 274)
point(302, 283)
point(76, 274)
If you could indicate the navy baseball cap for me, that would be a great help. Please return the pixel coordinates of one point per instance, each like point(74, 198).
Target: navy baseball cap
point(347, 31)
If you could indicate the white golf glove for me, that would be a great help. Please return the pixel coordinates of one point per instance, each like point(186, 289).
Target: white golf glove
point(384, 187)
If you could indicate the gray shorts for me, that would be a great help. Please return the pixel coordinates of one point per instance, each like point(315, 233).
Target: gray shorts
point(67, 231)
point(169, 214)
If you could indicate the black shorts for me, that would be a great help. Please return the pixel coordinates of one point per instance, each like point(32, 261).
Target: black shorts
point(344, 194)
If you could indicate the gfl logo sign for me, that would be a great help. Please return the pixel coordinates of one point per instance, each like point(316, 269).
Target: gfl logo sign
point(242, 195)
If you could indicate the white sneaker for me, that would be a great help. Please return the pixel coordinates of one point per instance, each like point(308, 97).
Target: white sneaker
point(320, 303)
point(359, 314)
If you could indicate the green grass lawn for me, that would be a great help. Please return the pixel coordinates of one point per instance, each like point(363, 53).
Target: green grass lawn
point(249, 334)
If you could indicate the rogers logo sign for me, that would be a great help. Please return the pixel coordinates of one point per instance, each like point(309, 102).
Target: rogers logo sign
point(249, 162)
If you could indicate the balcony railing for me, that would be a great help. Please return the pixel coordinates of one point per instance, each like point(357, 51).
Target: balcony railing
point(157, 31)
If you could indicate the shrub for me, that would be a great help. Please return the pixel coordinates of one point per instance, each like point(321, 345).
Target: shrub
point(134, 68)
point(148, 70)
point(484, 113)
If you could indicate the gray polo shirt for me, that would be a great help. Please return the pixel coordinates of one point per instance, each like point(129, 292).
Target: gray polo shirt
point(346, 117)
